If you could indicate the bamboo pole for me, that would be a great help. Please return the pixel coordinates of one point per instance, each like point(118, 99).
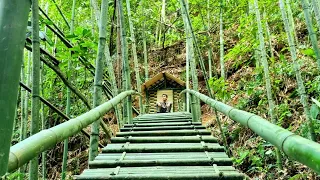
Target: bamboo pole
point(22, 152)
point(97, 91)
point(184, 8)
point(23, 115)
point(223, 74)
point(315, 4)
point(294, 146)
point(265, 65)
point(291, 21)
point(60, 12)
point(68, 105)
point(126, 68)
point(42, 115)
point(296, 66)
point(145, 53)
point(210, 48)
point(13, 24)
point(312, 34)
point(190, 58)
point(24, 122)
point(35, 101)
point(134, 53)
point(268, 35)
point(95, 8)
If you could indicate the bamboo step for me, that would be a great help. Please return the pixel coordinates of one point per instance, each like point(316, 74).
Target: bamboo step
point(162, 124)
point(160, 159)
point(162, 121)
point(161, 128)
point(165, 133)
point(162, 147)
point(165, 139)
point(163, 173)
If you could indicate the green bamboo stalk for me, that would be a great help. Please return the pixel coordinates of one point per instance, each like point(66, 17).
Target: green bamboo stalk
point(265, 65)
point(296, 66)
point(294, 146)
point(43, 119)
point(162, 20)
point(96, 11)
point(291, 20)
point(60, 12)
point(134, 53)
point(24, 122)
point(113, 81)
point(97, 91)
point(223, 74)
point(24, 151)
point(92, 18)
point(13, 18)
point(268, 35)
point(23, 115)
point(126, 69)
point(312, 34)
point(68, 108)
point(35, 101)
point(315, 4)
point(190, 57)
point(145, 53)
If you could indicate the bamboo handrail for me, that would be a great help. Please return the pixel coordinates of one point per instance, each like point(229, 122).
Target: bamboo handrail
point(294, 146)
point(29, 148)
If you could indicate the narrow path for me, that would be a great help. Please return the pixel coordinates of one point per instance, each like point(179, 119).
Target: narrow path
point(162, 146)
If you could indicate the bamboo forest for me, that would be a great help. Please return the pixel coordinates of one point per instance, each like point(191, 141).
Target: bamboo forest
point(160, 89)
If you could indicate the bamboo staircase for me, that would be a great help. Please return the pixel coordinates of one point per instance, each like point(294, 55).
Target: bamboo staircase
point(162, 146)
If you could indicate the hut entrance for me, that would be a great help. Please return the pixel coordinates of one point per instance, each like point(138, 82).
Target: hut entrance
point(162, 83)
